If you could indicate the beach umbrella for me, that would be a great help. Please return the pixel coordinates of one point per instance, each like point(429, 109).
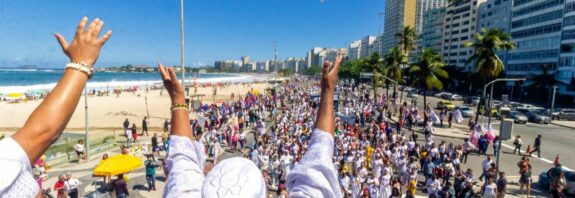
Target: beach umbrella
point(116, 165)
point(14, 96)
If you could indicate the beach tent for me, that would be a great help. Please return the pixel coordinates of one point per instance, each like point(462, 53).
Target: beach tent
point(14, 97)
point(116, 165)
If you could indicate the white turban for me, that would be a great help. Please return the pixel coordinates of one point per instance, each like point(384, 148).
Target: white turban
point(234, 177)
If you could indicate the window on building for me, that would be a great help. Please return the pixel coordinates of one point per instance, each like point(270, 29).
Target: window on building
point(462, 60)
point(453, 54)
point(454, 47)
point(455, 32)
point(537, 31)
point(541, 42)
point(455, 25)
point(456, 17)
point(569, 7)
point(465, 22)
point(463, 38)
point(534, 55)
point(536, 7)
point(568, 47)
point(497, 2)
point(464, 30)
point(568, 34)
point(454, 39)
point(530, 66)
point(570, 20)
point(538, 19)
point(466, 15)
point(462, 53)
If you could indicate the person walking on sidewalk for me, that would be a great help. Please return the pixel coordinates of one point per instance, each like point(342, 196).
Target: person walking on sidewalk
point(450, 119)
point(79, 148)
point(501, 185)
point(71, 185)
point(517, 143)
point(441, 116)
point(537, 146)
point(145, 126)
point(525, 175)
point(151, 172)
point(120, 187)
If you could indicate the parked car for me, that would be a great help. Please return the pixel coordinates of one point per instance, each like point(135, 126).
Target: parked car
point(472, 100)
point(445, 104)
point(465, 111)
point(446, 96)
point(439, 94)
point(518, 117)
point(411, 94)
point(544, 182)
point(537, 117)
point(455, 97)
point(563, 114)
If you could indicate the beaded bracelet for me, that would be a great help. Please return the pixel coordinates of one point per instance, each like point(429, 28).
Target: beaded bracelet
point(180, 108)
point(179, 105)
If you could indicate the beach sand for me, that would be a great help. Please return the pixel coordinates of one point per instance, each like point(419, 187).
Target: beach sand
point(107, 113)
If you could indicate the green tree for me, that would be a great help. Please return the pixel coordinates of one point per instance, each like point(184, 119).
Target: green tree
point(393, 61)
point(486, 62)
point(544, 81)
point(374, 64)
point(426, 72)
point(407, 41)
point(350, 69)
point(313, 70)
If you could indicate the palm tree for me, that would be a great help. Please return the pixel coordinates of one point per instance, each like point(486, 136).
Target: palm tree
point(374, 64)
point(485, 59)
point(407, 41)
point(393, 61)
point(426, 72)
point(544, 81)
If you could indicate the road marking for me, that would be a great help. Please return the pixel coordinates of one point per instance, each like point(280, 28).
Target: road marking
point(542, 159)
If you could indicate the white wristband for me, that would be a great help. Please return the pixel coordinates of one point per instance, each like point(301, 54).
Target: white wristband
point(83, 67)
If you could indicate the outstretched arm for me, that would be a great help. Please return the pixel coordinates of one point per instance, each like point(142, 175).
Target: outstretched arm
point(316, 176)
point(186, 158)
point(48, 121)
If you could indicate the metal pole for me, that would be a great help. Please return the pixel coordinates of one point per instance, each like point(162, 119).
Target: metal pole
point(498, 151)
point(489, 108)
point(553, 99)
point(86, 121)
point(182, 43)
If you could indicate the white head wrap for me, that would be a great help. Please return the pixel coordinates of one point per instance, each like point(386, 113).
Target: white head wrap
point(234, 177)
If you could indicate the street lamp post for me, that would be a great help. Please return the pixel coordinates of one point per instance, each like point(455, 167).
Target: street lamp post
point(489, 116)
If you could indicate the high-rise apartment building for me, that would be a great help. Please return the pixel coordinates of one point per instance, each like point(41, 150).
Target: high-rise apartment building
point(354, 50)
point(566, 69)
point(495, 14)
point(459, 27)
point(398, 14)
point(432, 30)
point(536, 29)
point(366, 44)
point(423, 6)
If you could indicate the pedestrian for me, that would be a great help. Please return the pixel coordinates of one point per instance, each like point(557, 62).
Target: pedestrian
point(450, 119)
point(151, 172)
point(145, 126)
point(485, 165)
point(501, 185)
point(126, 124)
point(489, 189)
point(537, 146)
point(60, 187)
point(72, 185)
point(166, 126)
point(441, 116)
point(483, 143)
point(155, 145)
point(495, 145)
point(120, 187)
point(79, 148)
point(432, 185)
point(134, 133)
point(525, 176)
point(517, 143)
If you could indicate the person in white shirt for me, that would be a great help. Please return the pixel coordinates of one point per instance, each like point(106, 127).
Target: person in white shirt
point(71, 185)
point(313, 176)
point(79, 148)
point(49, 119)
point(433, 185)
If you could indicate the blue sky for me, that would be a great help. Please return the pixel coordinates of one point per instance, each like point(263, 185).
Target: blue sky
point(148, 31)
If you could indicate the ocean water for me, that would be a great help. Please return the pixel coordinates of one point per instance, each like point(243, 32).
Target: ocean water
point(23, 80)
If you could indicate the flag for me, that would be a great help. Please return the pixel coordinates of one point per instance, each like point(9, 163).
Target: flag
point(457, 115)
point(489, 134)
point(434, 117)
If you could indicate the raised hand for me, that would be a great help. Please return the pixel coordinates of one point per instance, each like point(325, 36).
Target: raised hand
point(172, 85)
point(85, 47)
point(329, 74)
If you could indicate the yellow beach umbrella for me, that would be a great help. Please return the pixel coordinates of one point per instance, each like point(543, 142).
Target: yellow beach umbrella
point(116, 165)
point(14, 95)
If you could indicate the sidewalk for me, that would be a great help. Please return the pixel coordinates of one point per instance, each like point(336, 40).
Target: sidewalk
point(564, 123)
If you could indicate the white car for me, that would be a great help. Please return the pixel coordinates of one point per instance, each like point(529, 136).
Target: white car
point(456, 97)
point(439, 94)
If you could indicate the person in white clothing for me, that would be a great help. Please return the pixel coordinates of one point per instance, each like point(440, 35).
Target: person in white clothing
point(50, 118)
point(71, 184)
point(433, 185)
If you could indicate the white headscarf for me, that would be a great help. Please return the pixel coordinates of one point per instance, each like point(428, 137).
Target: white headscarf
point(234, 177)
